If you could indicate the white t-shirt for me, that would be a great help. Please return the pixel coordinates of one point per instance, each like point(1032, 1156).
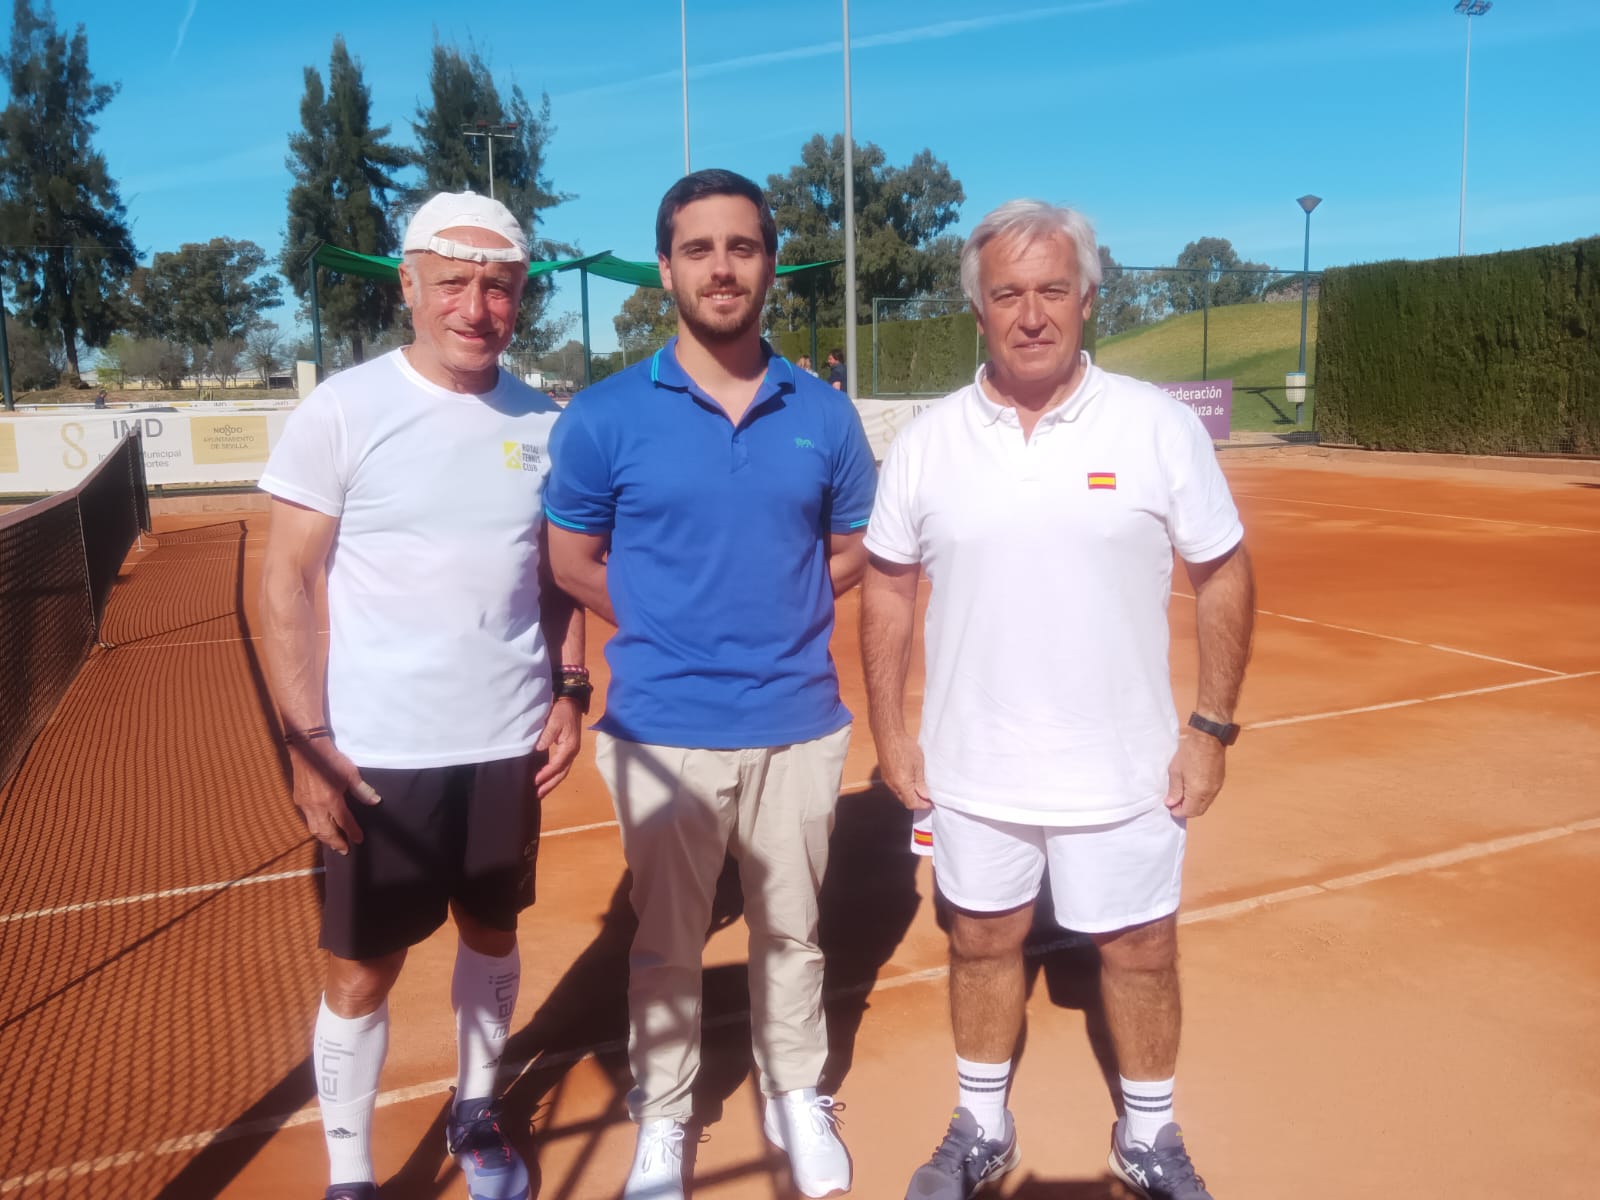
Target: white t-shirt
point(1048, 697)
point(435, 654)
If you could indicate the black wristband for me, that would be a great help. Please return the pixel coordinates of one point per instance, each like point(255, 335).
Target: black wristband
point(572, 683)
point(291, 736)
point(1227, 734)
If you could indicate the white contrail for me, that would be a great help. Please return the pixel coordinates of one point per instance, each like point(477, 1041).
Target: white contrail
point(183, 29)
point(920, 33)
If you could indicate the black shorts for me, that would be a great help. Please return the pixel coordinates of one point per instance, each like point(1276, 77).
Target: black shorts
point(468, 834)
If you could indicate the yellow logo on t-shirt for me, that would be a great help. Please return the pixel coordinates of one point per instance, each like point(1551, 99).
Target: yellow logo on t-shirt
point(522, 457)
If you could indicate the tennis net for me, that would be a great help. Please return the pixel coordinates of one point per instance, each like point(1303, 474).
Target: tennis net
point(58, 561)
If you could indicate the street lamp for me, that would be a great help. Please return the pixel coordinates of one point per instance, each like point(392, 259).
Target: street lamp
point(489, 132)
point(1468, 9)
point(1307, 203)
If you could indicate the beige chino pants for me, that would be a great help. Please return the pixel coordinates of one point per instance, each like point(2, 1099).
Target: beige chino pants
point(680, 811)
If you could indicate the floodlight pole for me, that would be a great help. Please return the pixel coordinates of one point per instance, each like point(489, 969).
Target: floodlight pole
point(1307, 203)
point(316, 317)
point(1468, 9)
point(683, 44)
point(489, 132)
point(5, 359)
point(850, 362)
point(588, 356)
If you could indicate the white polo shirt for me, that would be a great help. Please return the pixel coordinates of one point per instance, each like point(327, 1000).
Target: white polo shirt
point(435, 654)
point(1048, 698)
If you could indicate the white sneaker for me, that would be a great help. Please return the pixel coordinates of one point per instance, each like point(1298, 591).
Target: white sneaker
point(657, 1172)
point(802, 1124)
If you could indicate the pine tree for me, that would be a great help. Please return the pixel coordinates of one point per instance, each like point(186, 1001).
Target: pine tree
point(463, 93)
point(68, 246)
point(901, 215)
point(342, 167)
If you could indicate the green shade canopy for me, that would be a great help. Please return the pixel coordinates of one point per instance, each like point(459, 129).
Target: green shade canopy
point(647, 274)
point(378, 266)
point(605, 264)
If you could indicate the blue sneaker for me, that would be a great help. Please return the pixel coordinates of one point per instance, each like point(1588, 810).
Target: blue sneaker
point(492, 1169)
point(1163, 1172)
point(966, 1161)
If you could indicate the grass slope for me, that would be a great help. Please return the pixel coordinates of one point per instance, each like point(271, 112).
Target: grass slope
point(1254, 345)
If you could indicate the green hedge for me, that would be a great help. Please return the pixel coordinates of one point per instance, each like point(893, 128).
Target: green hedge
point(1494, 354)
point(922, 358)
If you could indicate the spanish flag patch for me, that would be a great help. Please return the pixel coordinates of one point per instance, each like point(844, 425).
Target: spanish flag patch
point(1103, 479)
point(922, 837)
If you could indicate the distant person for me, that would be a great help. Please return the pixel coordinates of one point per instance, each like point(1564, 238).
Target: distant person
point(710, 502)
point(100, 398)
point(455, 679)
point(836, 371)
point(804, 363)
point(1044, 503)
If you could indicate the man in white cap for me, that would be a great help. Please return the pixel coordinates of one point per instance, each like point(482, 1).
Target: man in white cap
point(450, 697)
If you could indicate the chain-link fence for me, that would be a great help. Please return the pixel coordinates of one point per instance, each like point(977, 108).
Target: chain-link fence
point(1163, 324)
point(1254, 328)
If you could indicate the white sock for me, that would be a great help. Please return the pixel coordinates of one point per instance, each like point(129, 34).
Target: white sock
point(1148, 1106)
point(347, 1057)
point(983, 1093)
point(483, 992)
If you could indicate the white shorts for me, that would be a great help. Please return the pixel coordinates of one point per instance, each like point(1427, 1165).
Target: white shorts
point(1102, 877)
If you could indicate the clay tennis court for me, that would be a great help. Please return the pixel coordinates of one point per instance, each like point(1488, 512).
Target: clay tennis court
point(1390, 951)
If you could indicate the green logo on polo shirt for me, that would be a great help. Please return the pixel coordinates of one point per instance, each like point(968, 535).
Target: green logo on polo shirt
point(804, 444)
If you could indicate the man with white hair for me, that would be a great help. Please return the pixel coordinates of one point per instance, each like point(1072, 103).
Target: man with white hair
point(1044, 503)
point(450, 698)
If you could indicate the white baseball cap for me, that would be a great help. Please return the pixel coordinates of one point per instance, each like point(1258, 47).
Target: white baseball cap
point(455, 210)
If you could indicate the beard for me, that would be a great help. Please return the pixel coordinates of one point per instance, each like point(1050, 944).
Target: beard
point(720, 328)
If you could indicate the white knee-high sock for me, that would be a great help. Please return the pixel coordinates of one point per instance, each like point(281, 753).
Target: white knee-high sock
point(1148, 1106)
point(983, 1093)
point(483, 991)
point(347, 1057)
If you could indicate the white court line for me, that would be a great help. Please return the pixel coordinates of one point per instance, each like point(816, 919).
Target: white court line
point(190, 562)
point(1406, 512)
point(255, 637)
point(196, 889)
point(166, 893)
point(848, 788)
point(268, 1126)
point(1368, 708)
point(1390, 637)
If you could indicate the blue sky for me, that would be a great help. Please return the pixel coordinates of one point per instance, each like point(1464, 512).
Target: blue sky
point(1163, 120)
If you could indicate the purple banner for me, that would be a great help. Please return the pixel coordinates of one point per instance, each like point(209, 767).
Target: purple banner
point(1212, 401)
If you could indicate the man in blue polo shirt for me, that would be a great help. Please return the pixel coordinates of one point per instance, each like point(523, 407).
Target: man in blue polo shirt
point(711, 502)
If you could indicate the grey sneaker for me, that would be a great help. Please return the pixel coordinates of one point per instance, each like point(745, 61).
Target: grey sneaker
point(492, 1169)
point(1162, 1172)
point(966, 1161)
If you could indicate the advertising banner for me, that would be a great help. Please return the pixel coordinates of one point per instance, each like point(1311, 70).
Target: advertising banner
point(1212, 401)
point(882, 419)
point(46, 454)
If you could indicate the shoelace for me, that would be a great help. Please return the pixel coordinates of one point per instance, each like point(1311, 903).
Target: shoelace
point(666, 1141)
point(1173, 1167)
point(952, 1153)
point(478, 1134)
point(824, 1112)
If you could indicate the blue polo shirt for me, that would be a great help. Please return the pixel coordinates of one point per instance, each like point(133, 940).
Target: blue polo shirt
point(718, 570)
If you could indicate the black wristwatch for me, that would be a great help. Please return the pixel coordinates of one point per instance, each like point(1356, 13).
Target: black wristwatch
point(572, 683)
point(1226, 734)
